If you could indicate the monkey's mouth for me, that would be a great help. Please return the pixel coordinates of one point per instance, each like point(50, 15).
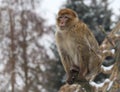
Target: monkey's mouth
point(62, 24)
point(62, 27)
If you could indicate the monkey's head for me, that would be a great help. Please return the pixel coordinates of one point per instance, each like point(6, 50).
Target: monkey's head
point(66, 18)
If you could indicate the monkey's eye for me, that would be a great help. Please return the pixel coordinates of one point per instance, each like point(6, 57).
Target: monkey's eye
point(63, 17)
point(66, 17)
point(60, 17)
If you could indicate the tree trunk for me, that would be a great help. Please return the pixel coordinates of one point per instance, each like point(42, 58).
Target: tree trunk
point(12, 57)
point(24, 47)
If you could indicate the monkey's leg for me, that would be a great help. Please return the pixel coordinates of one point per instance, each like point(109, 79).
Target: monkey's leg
point(67, 62)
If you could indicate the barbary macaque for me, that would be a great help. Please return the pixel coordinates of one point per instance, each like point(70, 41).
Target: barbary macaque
point(76, 45)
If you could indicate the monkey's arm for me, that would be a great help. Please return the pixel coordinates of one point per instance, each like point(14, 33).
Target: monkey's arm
point(65, 59)
point(95, 60)
point(92, 40)
point(88, 47)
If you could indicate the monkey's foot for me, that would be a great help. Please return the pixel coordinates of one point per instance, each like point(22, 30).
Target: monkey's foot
point(71, 79)
point(73, 75)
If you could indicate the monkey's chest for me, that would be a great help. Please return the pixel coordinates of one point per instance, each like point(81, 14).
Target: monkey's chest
point(67, 44)
point(70, 47)
point(72, 51)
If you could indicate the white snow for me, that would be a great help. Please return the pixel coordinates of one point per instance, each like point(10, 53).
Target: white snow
point(113, 51)
point(117, 35)
point(107, 68)
point(92, 83)
point(110, 85)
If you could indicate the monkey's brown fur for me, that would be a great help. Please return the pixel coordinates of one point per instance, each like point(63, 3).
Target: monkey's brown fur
point(76, 45)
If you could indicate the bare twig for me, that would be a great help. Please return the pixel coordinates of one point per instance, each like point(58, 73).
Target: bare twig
point(108, 38)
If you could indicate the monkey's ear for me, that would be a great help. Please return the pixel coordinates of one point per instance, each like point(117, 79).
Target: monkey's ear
point(75, 13)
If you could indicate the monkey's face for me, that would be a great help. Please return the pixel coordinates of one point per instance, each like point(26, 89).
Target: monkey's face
point(66, 18)
point(63, 21)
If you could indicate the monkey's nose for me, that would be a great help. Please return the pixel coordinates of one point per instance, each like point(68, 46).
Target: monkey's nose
point(62, 24)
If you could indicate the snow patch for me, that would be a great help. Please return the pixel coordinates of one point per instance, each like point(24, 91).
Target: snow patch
point(110, 85)
point(92, 83)
point(117, 35)
point(113, 51)
point(107, 68)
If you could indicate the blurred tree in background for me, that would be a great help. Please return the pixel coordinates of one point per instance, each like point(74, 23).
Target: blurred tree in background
point(27, 64)
point(24, 58)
